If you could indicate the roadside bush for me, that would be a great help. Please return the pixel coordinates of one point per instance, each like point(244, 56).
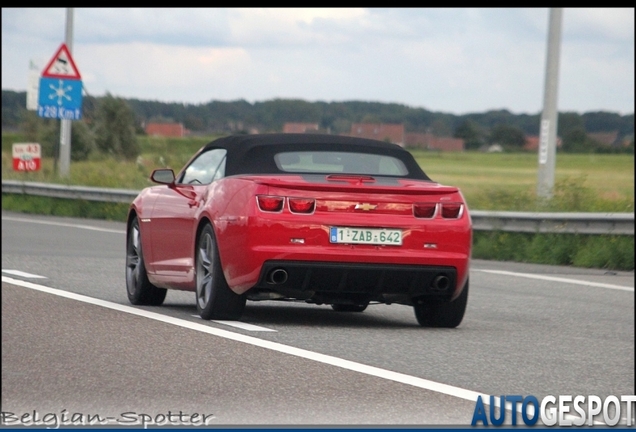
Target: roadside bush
point(611, 252)
point(82, 141)
point(596, 251)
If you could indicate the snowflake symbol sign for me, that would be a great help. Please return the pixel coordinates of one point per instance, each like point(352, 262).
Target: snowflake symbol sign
point(59, 92)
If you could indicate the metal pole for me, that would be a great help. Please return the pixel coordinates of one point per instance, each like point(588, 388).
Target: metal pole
point(65, 129)
point(548, 131)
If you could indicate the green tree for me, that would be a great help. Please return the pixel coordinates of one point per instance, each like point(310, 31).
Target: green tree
point(31, 125)
point(46, 132)
point(508, 136)
point(472, 134)
point(569, 121)
point(576, 141)
point(370, 118)
point(82, 141)
point(115, 128)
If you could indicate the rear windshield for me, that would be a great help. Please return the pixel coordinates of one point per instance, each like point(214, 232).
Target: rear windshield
point(339, 162)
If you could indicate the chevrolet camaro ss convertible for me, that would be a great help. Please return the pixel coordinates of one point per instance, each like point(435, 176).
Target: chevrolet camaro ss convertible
point(322, 219)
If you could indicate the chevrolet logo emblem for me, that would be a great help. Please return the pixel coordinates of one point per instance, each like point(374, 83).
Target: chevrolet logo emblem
point(366, 206)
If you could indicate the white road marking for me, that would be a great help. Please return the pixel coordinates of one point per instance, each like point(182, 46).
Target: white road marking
point(23, 274)
point(70, 225)
point(241, 325)
point(274, 346)
point(558, 279)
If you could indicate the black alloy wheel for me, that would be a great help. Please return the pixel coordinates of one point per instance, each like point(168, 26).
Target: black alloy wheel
point(215, 299)
point(139, 289)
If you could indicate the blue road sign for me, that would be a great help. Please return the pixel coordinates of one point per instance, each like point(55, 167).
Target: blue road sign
point(60, 98)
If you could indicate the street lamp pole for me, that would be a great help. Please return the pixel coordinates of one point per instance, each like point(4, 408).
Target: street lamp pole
point(65, 128)
point(549, 116)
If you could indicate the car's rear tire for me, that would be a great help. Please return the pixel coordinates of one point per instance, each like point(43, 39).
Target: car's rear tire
point(139, 289)
point(349, 307)
point(215, 299)
point(448, 315)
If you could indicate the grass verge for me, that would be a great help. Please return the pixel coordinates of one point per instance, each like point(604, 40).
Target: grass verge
point(580, 250)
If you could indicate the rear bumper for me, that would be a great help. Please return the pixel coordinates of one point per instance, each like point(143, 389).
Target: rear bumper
point(332, 282)
point(245, 250)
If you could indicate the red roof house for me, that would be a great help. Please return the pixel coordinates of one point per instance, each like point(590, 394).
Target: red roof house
point(431, 142)
point(379, 131)
point(300, 127)
point(532, 143)
point(165, 129)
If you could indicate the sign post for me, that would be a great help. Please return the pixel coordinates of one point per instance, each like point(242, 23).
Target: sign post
point(60, 94)
point(549, 116)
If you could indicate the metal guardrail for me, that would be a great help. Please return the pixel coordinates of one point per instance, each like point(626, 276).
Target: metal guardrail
point(581, 223)
point(69, 192)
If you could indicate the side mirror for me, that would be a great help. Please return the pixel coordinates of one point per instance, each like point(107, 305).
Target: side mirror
point(162, 176)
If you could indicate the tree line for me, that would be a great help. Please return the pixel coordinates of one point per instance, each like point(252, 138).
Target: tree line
point(109, 122)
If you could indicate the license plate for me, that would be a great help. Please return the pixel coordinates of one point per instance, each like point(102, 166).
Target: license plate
point(372, 236)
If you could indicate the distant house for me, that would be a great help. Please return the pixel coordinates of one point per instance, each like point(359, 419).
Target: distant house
point(300, 127)
point(165, 129)
point(429, 141)
point(606, 138)
point(379, 131)
point(532, 143)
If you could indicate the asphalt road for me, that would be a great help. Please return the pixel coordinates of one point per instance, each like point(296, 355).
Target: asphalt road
point(71, 343)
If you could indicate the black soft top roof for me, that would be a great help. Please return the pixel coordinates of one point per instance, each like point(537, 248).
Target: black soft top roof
point(254, 154)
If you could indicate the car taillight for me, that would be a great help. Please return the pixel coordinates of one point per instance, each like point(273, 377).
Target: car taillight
point(270, 203)
point(302, 205)
point(452, 210)
point(424, 210)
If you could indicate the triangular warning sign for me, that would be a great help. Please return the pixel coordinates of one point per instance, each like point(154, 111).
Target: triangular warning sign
point(61, 65)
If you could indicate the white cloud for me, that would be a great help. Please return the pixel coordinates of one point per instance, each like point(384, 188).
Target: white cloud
point(160, 72)
point(616, 24)
point(454, 60)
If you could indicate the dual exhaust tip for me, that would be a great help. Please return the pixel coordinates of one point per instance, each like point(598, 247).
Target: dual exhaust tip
point(440, 283)
point(277, 276)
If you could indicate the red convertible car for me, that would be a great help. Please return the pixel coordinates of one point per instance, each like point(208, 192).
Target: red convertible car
point(322, 219)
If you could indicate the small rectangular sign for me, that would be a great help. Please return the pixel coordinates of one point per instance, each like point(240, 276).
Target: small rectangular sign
point(33, 86)
point(27, 157)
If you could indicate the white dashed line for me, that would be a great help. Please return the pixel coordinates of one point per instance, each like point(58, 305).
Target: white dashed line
point(23, 274)
point(241, 325)
point(63, 224)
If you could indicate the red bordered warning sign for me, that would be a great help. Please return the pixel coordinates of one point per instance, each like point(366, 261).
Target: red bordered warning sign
point(61, 65)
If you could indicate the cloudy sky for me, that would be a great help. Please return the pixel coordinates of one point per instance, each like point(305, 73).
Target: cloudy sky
point(450, 60)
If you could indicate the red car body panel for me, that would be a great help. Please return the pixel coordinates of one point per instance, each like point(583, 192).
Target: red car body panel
point(248, 237)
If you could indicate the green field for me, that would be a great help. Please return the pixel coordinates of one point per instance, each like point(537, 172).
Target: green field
point(507, 181)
